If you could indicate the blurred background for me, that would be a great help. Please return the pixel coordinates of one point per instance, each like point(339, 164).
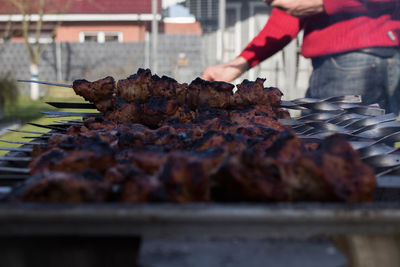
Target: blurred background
point(63, 40)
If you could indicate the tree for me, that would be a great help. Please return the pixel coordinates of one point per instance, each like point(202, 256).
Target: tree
point(33, 13)
point(5, 35)
point(8, 86)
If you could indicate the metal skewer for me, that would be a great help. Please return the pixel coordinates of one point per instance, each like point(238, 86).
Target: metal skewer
point(47, 83)
point(17, 149)
point(23, 143)
point(15, 158)
point(70, 114)
point(72, 105)
point(30, 132)
point(14, 170)
point(47, 126)
point(37, 137)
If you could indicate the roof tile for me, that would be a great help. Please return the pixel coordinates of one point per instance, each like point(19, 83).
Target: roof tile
point(93, 6)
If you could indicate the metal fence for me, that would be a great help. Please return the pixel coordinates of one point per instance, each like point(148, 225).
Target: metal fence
point(183, 57)
point(179, 56)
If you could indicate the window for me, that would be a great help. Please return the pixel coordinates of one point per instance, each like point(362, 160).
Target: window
point(112, 37)
point(90, 37)
point(100, 37)
point(44, 38)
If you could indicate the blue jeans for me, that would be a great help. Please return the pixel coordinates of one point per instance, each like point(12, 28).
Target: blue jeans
point(375, 78)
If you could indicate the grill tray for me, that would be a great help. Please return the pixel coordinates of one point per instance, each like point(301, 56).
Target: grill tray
point(34, 228)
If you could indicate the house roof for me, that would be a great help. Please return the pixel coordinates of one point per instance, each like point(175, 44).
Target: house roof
point(90, 6)
point(111, 6)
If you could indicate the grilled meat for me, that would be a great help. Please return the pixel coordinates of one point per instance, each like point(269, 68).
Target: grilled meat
point(155, 96)
point(75, 155)
point(288, 173)
point(143, 85)
point(62, 187)
point(163, 141)
point(99, 92)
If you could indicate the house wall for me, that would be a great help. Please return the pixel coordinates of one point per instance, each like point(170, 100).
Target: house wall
point(131, 31)
point(182, 28)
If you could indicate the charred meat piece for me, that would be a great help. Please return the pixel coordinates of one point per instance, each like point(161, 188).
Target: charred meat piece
point(284, 147)
point(149, 160)
point(333, 173)
point(212, 94)
point(206, 113)
point(345, 176)
point(126, 113)
point(153, 113)
point(132, 185)
point(229, 142)
point(75, 155)
point(237, 180)
point(281, 113)
point(268, 123)
point(168, 88)
point(135, 87)
point(143, 85)
point(62, 187)
point(156, 110)
point(99, 92)
point(185, 178)
point(251, 93)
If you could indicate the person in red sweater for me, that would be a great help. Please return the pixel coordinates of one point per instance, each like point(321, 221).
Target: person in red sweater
point(354, 46)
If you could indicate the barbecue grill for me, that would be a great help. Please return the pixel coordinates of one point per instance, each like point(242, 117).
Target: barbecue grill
point(110, 234)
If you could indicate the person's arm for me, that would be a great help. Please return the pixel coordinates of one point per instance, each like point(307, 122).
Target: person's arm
point(358, 6)
point(226, 72)
point(298, 8)
point(279, 30)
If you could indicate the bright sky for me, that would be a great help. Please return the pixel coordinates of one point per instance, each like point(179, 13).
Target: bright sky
point(167, 3)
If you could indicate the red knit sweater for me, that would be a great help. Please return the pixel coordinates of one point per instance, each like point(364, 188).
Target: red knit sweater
point(344, 26)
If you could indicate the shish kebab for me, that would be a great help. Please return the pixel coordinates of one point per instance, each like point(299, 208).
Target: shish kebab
point(159, 140)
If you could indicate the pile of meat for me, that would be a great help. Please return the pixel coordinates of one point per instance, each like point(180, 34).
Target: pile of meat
point(161, 141)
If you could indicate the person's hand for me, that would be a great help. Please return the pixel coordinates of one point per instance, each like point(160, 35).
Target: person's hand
point(226, 72)
point(298, 8)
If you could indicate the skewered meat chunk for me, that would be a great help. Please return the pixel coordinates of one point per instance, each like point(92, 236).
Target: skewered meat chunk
point(333, 173)
point(347, 177)
point(149, 160)
point(99, 92)
point(185, 179)
point(281, 113)
point(156, 110)
point(126, 113)
point(143, 85)
point(57, 187)
point(168, 88)
point(267, 122)
point(136, 87)
point(284, 147)
point(251, 93)
point(246, 113)
point(142, 189)
point(230, 142)
point(132, 185)
point(152, 113)
point(212, 94)
point(72, 156)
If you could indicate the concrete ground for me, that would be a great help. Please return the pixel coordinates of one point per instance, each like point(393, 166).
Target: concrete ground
point(238, 253)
